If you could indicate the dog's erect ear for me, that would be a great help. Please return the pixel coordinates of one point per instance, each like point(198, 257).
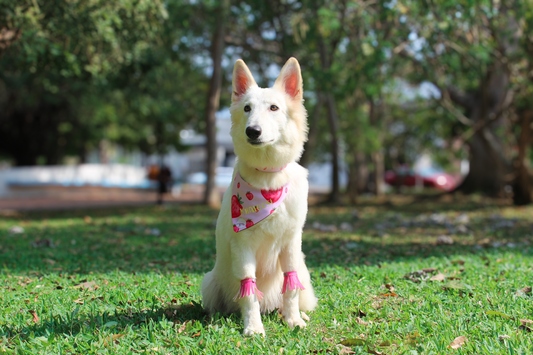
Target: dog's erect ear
point(242, 80)
point(290, 80)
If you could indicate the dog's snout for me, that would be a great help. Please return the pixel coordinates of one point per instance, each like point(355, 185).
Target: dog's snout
point(253, 132)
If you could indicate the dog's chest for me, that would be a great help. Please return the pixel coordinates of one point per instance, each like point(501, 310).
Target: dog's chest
point(286, 220)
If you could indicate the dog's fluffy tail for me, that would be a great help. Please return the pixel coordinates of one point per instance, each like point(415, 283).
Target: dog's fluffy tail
point(212, 294)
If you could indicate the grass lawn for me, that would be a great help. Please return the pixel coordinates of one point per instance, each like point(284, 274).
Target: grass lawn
point(127, 281)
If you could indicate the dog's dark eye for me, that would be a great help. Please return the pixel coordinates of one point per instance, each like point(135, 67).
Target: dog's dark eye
point(247, 108)
point(274, 108)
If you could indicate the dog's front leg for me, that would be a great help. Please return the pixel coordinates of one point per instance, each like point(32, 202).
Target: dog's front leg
point(290, 258)
point(244, 266)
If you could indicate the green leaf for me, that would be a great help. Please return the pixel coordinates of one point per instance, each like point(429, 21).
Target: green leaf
point(496, 313)
point(353, 342)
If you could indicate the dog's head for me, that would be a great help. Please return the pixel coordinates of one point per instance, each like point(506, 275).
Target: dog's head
point(269, 126)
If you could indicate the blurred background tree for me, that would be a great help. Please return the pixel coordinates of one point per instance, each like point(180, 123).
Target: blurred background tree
point(384, 81)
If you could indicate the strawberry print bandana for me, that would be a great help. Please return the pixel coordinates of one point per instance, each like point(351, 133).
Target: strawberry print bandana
point(250, 205)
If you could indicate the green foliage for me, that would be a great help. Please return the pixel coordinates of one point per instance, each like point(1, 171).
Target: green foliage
point(86, 71)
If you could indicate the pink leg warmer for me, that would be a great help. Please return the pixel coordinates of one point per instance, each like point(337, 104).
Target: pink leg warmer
point(248, 288)
point(291, 280)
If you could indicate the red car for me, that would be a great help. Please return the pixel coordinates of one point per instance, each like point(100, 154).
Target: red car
point(427, 177)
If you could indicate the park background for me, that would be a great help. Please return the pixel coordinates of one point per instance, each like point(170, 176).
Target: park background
point(94, 94)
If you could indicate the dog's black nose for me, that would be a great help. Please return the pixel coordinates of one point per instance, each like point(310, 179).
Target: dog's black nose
point(253, 132)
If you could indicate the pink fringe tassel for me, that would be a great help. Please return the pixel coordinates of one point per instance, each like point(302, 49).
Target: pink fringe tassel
point(248, 288)
point(291, 280)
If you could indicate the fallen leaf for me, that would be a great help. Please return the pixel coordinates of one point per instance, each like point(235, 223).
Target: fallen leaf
point(34, 314)
point(361, 314)
point(323, 274)
point(392, 294)
point(429, 270)
point(360, 321)
point(346, 351)
point(374, 352)
point(182, 328)
point(389, 287)
point(496, 313)
point(353, 342)
point(112, 338)
point(90, 285)
point(526, 321)
point(458, 262)
point(503, 337)
point(438, 277)
point(527, 329)
point(456, 285)
point(458, 342)
point(526, 290)
point(79, 301)
point(87, 219)
point(196, 335)
point(411, 338)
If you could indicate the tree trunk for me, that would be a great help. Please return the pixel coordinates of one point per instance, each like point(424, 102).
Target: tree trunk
point(377, 156)
point(522, 181)
point(488, 162)
point(379, 171)
point(487, 167)
point(313, 132)
point(333, 119)
point(353, 180)
point(211, 197)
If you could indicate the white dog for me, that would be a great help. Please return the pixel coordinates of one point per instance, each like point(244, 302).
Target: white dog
point(259, 265)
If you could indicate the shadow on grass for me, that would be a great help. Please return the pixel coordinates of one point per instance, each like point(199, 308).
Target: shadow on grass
point(72, 323)
point(180, 239)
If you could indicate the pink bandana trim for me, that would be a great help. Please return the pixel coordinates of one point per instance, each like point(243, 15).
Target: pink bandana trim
point(248, 288)
point(250, 205)
point(291, 280)
point(271, 170)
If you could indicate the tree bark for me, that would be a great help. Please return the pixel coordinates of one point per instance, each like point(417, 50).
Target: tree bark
point(211, 197)
point(377, 156)
point(313, 132)
point(379, 171)
point(522, 181)
point(333, 119)
point(488, 163)
point(353, 180)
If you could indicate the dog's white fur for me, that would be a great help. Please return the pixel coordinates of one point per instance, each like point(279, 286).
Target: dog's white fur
point(273, 246)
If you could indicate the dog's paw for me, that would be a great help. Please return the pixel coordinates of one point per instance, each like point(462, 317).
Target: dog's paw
point(254, 330)
point(295, 321)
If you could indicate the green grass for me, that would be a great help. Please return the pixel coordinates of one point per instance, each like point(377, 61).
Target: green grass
point(111, 285)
